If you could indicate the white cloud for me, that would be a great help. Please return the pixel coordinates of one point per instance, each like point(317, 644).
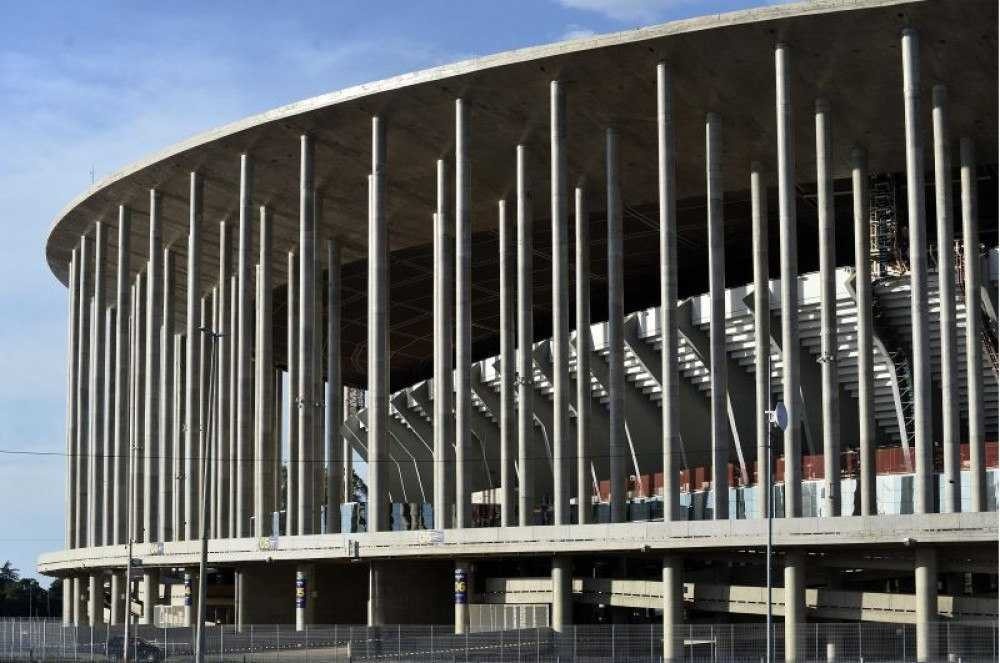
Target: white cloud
point(574, 31)
point(643, 11)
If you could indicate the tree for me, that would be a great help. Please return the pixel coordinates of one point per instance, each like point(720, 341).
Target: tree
point(25, 597)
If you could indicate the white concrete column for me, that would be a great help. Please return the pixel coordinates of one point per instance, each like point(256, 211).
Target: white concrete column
point(334, 410)
point(75, 608)
point(673, 601)
point(376, 615)
point(463, 317)
point(717, 332)
point(71, 405)
point(67, 595)
point(244, 348)
point(121, 443)
point(828, 312)
point(463, 583)
point(666, 190)
point(923, 500)
point(222, 395)
point(177, 450)
point(507, 406)
point(83, 395)
point(795, 605)
point(95, 506)
point(116, 613)
point(95, 598)
point(866, 375)
point(378, 333)
point(307, 337)
point(973, 326)
point(616, 334)
point(191, 384)
point(107, 432)
point(444, 428)
point(762, 333)
point(166, 402)
point(154, 322)
point(562, 593)
point(951, 496)
point(560, 306)
point(292, 475)
point(149, 594)
point(67, 588)
point(304, 607)
point(265, 503)
point(138, 402)
point(208, 420)
point(789, 283)
point(190, 591)
point(233, 348)
point(584, 346)
point(926, 599)
point(525, 340)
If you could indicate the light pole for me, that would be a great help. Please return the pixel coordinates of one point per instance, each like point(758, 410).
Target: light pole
point(776, 417)
point(206, 457)
point(129, 506)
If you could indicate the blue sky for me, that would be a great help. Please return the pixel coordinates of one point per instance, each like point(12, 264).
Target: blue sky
point(92, 86)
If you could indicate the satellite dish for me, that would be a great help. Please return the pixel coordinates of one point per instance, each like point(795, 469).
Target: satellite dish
point(780, 416)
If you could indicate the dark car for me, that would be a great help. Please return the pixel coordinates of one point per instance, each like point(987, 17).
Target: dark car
point(140, 650)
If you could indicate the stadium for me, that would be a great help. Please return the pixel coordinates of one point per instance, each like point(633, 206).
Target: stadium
point(521, 345)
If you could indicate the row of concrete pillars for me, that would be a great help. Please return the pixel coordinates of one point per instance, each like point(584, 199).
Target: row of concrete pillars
point(84, 599)
point(127, 380)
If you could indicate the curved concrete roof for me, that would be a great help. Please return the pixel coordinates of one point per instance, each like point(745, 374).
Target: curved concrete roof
point(846, 51)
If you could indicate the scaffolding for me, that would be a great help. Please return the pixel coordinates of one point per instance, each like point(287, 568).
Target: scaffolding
point(887, 254)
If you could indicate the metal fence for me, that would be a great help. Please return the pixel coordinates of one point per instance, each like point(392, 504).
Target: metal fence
point(24, 640)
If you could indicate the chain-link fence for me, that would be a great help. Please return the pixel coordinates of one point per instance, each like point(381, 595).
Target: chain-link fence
point(24, 640)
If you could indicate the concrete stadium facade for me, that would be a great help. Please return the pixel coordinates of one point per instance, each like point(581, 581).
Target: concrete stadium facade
point(702, 218)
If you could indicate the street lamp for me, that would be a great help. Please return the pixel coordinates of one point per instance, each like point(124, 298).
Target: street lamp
point(776, 417)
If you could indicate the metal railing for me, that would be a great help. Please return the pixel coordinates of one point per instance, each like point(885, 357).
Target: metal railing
point(24, 640)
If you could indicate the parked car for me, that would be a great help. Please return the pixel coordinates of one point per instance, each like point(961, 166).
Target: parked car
point(141, 651)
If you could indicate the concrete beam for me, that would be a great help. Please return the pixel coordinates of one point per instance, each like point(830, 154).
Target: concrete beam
point(739, 387)
point(690, 399)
